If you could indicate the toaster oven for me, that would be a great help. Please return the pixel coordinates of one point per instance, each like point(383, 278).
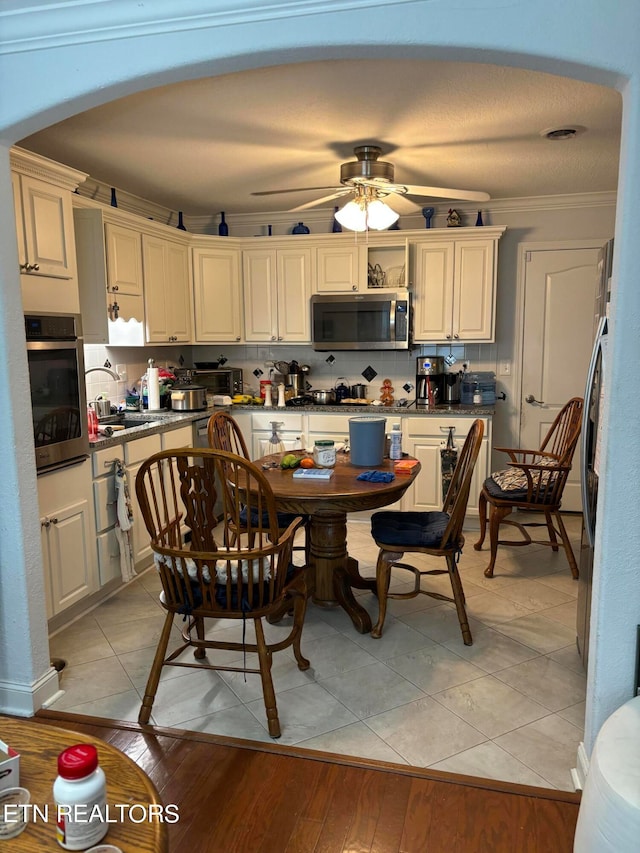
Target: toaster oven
point(221, 380)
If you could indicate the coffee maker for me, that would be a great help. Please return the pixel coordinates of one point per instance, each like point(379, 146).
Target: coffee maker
point(429, 381)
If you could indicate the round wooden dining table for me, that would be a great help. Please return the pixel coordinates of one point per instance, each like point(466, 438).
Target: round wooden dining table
point(333, 573)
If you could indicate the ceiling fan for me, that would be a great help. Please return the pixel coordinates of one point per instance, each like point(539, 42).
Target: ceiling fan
point(369, 177)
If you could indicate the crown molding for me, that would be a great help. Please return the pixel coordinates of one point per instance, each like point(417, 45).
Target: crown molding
point(35, 26)
point(44, 169)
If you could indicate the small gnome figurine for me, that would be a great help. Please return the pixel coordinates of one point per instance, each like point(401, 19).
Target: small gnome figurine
point(386, 398)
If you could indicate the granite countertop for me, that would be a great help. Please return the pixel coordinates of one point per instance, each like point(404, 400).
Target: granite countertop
point(158, 422)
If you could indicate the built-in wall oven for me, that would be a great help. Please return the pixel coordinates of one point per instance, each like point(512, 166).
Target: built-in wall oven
point(58, 397)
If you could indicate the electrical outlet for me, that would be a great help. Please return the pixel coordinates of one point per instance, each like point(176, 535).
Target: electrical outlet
point(121, 370)
point(505, 368)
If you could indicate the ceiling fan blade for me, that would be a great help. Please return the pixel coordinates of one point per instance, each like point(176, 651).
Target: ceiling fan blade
point(318, 201)
point(296, 190)
point(401, 204)
point(447, 192)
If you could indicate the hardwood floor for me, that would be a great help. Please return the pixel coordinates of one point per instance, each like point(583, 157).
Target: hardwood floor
point(241, 797)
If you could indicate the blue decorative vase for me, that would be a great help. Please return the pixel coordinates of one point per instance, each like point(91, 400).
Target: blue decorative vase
point(300, 228)
point(223, 228)
point(428, 212)
point(479, 218)
point(180, 225)
point(114, 200)
point(336, 227)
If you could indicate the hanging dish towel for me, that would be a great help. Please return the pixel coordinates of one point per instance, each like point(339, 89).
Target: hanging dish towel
point(124, 511)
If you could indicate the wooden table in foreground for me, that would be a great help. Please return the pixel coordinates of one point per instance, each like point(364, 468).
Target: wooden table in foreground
point(327, 502)
point(39, 747)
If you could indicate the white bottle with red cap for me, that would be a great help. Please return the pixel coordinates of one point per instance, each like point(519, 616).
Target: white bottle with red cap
point(80, 794)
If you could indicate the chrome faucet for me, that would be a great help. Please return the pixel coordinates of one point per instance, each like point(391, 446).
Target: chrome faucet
point(111, 373)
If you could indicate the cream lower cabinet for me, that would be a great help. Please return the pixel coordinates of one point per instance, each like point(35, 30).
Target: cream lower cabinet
point(455, 290)
point(167, 304)
point(424, 438)
point(290, 430)
point(135, 453)
point(68, 534)
point(104, 504)
point(277, 288)
point(217, 295)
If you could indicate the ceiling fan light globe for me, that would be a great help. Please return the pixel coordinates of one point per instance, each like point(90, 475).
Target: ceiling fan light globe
point(352, 216)
point(380, 216)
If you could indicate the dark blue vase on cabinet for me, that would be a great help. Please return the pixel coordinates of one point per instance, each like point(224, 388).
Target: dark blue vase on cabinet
point(223, 228)
point(336, 227)
point(180, 225)
point(300, 228)
point(114, 200)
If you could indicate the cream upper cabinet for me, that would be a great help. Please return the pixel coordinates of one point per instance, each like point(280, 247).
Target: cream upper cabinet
point(277, 289)
point(44, 227)
point(337, 269)
point(124, 260)
point(166, 290)
point(217, 295)
point(455, 290)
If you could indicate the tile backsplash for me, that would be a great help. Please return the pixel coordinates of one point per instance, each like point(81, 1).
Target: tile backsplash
point(325, 367)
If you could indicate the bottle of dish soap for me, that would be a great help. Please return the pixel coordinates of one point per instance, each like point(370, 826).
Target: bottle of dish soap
point(395, 448)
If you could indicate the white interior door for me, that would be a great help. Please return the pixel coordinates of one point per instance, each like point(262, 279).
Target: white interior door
point(560, 291)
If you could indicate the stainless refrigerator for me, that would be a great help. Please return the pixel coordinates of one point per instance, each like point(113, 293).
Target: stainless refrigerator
point(590, 456)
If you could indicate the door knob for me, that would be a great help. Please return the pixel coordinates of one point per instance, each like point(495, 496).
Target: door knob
point(531, 399)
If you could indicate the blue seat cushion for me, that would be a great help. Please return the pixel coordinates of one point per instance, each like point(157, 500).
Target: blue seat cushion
point(409, 529)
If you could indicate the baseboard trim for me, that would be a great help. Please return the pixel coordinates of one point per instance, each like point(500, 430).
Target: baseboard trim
point(23, 700)
point(581, 771)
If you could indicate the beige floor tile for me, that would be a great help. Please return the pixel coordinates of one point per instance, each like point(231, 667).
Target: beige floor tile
point(231, 722)
point(569, 657)
point(81, 644)
point(562, 581)
point(535, 595)
point(87, 682)
point(435, 668)
point(491, 706)
point(546, 681)
point(357, 740)
point(398, 638)
point(488, 760)
point(548, 746)
point(190, 696)
point(305, 712)
point(563, 613)
point(537, 632)
point(474, 573)
point(118, 706)
point(138, 634)
point(334, 654)
point(574, 715)
point(440, 623)
point(492, 609)
point(424, 732)
point(371, 689)
point(492, 651)
point(284, 672)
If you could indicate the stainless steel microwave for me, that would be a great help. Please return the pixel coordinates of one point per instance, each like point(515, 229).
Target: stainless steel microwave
point(361, 321)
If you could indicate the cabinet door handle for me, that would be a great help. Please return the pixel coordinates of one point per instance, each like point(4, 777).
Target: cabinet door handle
point(456, 336)
point(273, 337)
point(354, 287)
point(237, 337)
point(45, 523)
point(54, 521)
point(280, 338)
point(35, 267)
point(448, 337)
point(115, 288)
point(531, 399)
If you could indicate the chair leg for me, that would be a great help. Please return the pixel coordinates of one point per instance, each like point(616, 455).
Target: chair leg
point(482, 513)
point(265, 657)
point(552, 532)
point(567, 547)
point(156, 669)
point(299, 610)
point(383, 579)
point(199, 653)
point(458, 597)
point(496, 515)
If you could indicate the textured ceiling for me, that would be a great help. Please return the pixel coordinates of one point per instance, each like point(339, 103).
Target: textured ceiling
point(206, 145)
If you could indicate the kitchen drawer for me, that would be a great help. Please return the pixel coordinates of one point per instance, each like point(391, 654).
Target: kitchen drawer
point(104, 501)
point(290, 423)
point(177, 438)
point(141, 449)
point(100, 458)
point(329, 423)
point(438, 426)
point(108, 557)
